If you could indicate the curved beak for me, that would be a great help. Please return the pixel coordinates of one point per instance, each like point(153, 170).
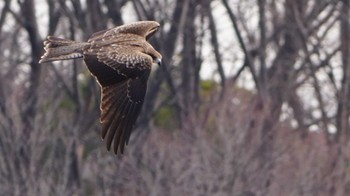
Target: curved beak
point(159, 61)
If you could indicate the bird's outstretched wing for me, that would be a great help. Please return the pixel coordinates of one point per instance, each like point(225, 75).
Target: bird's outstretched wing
point(122, 72)
point(121, 103)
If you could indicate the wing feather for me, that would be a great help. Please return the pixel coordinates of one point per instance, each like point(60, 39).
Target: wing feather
point(124, 58)
point(120, 107)
point(109, 127)
point(109, 101)
point(113, 120)
point(134, 111)
point(122, 67)
point(112, 100)
point(127, 126)
point(98, 35)
point(120, 127)
point(104, 74)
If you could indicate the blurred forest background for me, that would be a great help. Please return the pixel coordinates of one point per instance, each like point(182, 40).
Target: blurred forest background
point(252, 100)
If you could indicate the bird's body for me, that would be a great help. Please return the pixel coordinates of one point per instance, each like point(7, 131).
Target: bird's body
point(120, 59)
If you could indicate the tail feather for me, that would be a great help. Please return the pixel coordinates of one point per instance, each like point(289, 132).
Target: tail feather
point(62, 49)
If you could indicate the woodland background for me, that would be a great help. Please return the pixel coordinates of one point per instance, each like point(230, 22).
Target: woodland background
point(270, 118)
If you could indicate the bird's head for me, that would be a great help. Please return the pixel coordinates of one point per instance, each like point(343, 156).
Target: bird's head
point(142, 28)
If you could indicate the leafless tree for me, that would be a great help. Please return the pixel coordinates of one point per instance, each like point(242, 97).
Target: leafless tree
point(286, 135)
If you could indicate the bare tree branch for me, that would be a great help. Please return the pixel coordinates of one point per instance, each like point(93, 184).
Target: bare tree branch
point(3, 14)
point(215, 44)
point(243, 45)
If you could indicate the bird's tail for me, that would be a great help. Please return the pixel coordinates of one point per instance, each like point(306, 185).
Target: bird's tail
point(62, 49)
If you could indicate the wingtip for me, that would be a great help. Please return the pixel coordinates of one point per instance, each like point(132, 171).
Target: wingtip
point(118, 151)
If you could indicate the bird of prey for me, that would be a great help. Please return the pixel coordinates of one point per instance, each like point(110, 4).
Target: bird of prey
point(120, 59)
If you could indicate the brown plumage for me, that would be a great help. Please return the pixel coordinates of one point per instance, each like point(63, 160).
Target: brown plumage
point(121, 61)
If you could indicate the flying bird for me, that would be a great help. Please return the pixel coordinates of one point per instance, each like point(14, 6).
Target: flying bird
point(120, 59)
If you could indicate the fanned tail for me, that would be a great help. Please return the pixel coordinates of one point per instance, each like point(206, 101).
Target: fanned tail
point(62, 49)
